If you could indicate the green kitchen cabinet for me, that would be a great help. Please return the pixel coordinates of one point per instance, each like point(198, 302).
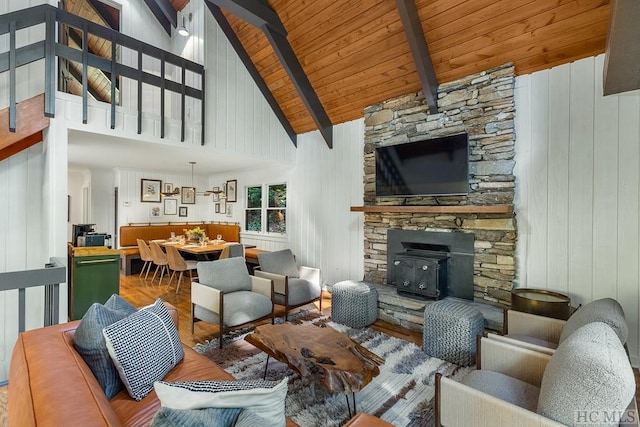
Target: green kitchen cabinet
point(95, 276)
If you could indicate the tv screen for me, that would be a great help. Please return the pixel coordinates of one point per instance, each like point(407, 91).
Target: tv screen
point(438, 166)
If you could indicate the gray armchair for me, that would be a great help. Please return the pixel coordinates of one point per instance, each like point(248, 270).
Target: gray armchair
point(293, 286)
point(227, 296)
point(544, 334)
point(588, 375)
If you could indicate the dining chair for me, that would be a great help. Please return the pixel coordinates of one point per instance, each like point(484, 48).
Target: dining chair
point(160, 260)
point(178, 263)
point(232, 250)
point(145, 255)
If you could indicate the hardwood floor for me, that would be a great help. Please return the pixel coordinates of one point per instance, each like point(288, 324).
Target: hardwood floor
point(140, 292)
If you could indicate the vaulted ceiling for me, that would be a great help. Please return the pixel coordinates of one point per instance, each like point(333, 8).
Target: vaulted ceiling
point(356, 53)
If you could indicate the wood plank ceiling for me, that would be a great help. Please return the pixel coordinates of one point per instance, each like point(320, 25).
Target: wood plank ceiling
point(356, 54)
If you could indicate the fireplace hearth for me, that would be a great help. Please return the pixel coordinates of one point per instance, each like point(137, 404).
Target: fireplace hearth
point(430, 264)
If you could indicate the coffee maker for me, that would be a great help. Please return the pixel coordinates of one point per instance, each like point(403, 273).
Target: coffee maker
point(79, 230)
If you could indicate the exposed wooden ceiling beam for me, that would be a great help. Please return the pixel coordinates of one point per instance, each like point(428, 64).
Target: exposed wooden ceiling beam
point(300, 80)
point(415, 36)
point(253, 12)
point(77, 75)
point(622, 56)
point(103, 11)
point(265, 18)
point(224, 25)
point(160, 16)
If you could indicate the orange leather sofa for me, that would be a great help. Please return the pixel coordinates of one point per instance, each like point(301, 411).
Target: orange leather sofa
point(50, 384)
point(129, 235)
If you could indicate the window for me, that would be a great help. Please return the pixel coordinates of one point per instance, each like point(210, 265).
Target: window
point(253, 216)
point(266, 204)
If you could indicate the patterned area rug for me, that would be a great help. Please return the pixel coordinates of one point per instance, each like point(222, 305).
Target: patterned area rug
point(4, 410)
point(402, 394)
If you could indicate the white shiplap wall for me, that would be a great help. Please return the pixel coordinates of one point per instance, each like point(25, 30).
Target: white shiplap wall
point(577, 188)
point(322, 186)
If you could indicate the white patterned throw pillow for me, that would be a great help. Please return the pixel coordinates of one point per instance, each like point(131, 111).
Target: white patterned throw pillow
point(144, 346)
point(265, 399)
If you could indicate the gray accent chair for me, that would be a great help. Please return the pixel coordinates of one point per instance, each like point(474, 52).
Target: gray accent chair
point(226, 295)
point(293, 286)
point(544, 334)
point(588, 380)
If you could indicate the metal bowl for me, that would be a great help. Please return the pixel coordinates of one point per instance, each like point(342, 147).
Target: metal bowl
point(541, 302)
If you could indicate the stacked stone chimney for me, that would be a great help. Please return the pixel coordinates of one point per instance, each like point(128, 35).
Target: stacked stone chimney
point(483, 106)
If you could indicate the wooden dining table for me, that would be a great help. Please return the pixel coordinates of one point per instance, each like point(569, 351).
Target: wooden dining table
point(207, 252)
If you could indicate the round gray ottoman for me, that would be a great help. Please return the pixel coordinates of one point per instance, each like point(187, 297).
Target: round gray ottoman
point(450, 330)
point(354, 304)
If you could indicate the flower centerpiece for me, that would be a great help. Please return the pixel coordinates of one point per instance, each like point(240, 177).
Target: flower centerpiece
point(196, 234)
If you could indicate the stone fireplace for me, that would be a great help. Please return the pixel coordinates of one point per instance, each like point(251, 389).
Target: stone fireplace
point(481, 105)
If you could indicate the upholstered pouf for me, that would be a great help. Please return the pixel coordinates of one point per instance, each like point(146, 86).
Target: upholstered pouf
point(354, 304)
point(450, 330)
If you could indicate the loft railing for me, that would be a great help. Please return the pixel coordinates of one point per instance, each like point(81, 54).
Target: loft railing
point(53, 273)
point(50, 277)
point(49, 48)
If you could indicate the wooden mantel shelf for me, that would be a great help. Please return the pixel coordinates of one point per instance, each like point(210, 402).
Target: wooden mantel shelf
point(492, 209)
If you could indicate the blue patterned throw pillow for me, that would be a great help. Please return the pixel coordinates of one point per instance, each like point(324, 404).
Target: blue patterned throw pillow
point(90, 344)
point(144, 347)
point(218, 417)
point(121, 305)
point(264, 399)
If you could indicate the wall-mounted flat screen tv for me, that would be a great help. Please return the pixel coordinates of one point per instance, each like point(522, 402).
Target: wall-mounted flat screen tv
point(438, 166)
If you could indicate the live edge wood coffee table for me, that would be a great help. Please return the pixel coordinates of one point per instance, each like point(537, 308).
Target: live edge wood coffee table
point(323, 354)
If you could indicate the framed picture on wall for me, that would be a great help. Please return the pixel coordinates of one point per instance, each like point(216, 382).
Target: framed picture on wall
point(217, 208)
point(171, 206)
point(150, 190)
point(216, 194)
point(188, 196)
point(229, 209)
point(182, 211)
point(232, 190)
point(167, 187)
point(155, 212)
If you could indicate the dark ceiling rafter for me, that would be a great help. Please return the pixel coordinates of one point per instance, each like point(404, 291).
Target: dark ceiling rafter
point(157, 11)
point(622, 54)
point(265, 18)
point(420, 51)
point(77, 39)
point(299, 78)
point(224, 25)
point(254, 12)
point(103, 11)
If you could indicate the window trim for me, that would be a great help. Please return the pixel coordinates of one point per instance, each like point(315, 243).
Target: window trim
point(264, 208)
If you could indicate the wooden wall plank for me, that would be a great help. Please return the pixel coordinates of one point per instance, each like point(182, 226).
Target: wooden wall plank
point(523, 93)
point(601, 149)
point(537, 267)
point(580, 256)
point(558, 173)
point(605, 188)
point(628, 208)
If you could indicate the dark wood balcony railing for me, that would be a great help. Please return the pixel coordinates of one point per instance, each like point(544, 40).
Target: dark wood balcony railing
point(48, 49)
